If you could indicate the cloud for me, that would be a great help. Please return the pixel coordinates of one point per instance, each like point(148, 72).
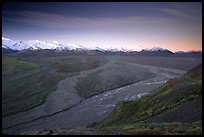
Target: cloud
point(175, 12)
point(134, 27)
point(62, 21)
point(182, 13)
point(117, 25)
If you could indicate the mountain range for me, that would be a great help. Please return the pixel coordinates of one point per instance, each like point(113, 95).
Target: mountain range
point(36, 47)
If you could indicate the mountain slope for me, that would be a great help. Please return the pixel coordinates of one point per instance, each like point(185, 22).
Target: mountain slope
point(156, 51)
point(13, 45)
point(7, 51)
point(36, 45)
point(188, 54)
point(166, 110)
point(74, 49)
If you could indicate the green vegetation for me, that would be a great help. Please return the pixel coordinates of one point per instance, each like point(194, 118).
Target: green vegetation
point(86, 84)
point(71, 65)
point(34, 100)
point(132, 116)
point(13, 64)
point(174, 128)
point(152, 104)
point(28, 90)
point(116, 76)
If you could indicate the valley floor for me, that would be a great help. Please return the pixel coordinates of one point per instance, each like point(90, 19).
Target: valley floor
point(64, 108)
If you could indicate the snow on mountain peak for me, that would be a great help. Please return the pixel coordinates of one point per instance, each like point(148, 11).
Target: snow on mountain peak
point(3, 38)
point(113, 49)
point(73, 46)
point(157, 49)
point(98, 48)
point(55, 42)
point(37, 44)
point(38, 41)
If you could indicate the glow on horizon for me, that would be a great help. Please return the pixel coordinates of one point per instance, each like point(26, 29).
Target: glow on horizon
point(177, 27)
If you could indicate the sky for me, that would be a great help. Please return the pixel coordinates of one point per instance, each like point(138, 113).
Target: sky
point(176, 26)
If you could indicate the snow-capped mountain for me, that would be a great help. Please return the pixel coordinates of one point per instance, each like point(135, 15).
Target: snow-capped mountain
point(100, 49)
point(155, 49)
point(57, 48)
point(74, 46)
point(68, 46)
point(14, 45)
point(180, 52)
point(113, 49)
point(188, 53)
point(36, 45)
point(55, 45)
point(7, 42)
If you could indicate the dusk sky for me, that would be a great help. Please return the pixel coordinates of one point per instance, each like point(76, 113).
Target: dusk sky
point(132, 25)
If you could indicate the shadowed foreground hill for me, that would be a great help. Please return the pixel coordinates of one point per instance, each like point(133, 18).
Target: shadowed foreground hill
point(174, 108)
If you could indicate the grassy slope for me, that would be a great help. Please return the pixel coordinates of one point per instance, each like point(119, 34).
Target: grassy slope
point(132, 116)
point(77, 64)
point(30, 90)
point(115, 76)
point(12, 64)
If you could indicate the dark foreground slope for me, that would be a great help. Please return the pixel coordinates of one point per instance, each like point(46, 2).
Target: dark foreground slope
point(174, 108)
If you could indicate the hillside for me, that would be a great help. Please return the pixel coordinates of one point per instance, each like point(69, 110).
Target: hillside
point(174, 108)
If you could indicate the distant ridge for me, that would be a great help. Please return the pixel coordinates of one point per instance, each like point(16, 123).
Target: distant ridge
point(37, 47)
